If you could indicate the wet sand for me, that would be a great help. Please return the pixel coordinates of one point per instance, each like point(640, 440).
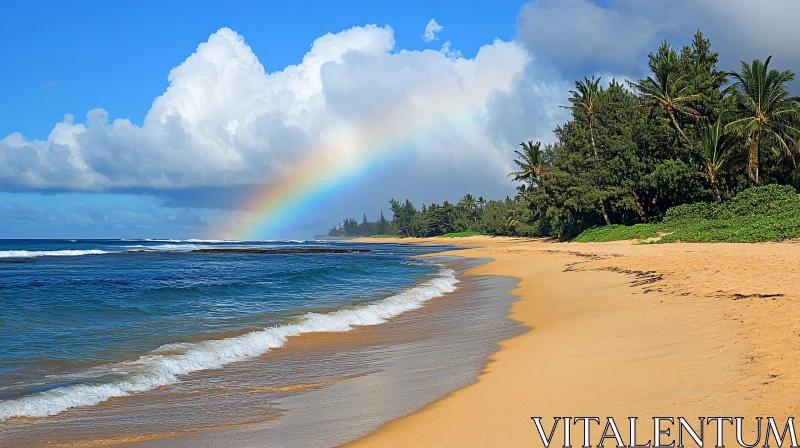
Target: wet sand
point(625, 330)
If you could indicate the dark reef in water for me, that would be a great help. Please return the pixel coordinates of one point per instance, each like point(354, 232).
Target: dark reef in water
point(286, 251)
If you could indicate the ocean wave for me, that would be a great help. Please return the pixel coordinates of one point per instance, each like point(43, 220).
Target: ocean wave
point(175, 247)
point(165, 365)
point(49, 253)
point(192, 240)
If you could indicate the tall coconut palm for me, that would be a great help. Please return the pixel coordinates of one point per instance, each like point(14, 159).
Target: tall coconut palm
point(522, 193)
point(583, 102)
point(714, 150)
point(482, 202)
point(529, 161)
point(468, 202)
point(666, 88)
point(767, 112)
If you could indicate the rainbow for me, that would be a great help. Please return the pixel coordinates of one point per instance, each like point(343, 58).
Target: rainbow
point(332, 167)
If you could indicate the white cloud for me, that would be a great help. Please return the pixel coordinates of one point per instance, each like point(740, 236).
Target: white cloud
point(447, 50)
point(224, 122)
point(431, 29)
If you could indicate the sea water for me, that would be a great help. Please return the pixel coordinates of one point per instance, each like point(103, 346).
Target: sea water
point(111, 340)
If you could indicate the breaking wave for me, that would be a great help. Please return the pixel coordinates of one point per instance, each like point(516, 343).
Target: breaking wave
point(49, 253)
point(166, 364)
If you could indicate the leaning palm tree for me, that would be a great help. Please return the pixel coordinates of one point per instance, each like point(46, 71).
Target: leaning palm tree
point(529, 161)
point(767, 111)
point(512, 223)
point(482, 202)
point(714, 152)
point(583, 100)
point(666, 88)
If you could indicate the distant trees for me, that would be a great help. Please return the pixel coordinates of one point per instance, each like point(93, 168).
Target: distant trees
point(506, 217)
point(351, 228)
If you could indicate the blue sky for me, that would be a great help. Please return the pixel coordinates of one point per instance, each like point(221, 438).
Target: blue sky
point(223, 126)
point(63, 58)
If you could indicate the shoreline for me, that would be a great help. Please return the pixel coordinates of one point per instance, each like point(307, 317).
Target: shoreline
point(623, 330)
point(411, 361)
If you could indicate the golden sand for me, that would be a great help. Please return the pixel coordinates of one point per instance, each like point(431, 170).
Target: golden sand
point(625, 330)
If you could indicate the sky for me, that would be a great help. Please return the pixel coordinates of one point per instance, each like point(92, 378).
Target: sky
point(253, 119)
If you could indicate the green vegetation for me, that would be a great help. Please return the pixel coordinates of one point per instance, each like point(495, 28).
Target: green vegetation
point(769, 213)
point(459, 234)
point(667, 156)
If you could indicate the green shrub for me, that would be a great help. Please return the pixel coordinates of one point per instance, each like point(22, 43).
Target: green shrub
point(768, 213)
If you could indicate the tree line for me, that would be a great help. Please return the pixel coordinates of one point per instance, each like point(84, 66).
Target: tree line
point(687, 133)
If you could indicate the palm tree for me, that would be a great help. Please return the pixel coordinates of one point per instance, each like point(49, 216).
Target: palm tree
point(666, 89)
point(714, 153)
point(512, 223)
point(583, 101)
point(529, 161)
point(767, 111)
point(482, 203)
point(522, 193)
point(468, 202)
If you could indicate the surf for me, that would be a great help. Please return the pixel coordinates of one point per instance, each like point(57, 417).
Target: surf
point(167, 364)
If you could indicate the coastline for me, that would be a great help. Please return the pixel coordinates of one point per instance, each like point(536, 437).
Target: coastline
point(623, 330)
point(404, 364)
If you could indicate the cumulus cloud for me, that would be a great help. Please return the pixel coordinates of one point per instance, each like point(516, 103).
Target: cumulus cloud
point(431, 31)
point(224, 123)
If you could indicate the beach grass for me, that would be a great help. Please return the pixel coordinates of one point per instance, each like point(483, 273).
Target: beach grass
point(459, 234)
point(769, 213)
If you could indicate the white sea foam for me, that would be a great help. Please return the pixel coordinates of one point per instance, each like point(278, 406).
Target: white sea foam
point(48, 253)
point(175, 247)
point(164, 366)
point(212, 241)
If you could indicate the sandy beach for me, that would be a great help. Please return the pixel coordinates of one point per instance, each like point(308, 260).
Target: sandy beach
point(619, 329)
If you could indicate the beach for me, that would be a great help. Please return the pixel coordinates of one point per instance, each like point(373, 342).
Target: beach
point(535, 328)
point(622, 329)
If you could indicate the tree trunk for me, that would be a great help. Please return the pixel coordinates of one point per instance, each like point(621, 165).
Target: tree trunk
point(712, 178)
point(605, 214)
point(752, 161)
point(637, 206)
point(678, 128)
point(594, 150)
point(716, 192)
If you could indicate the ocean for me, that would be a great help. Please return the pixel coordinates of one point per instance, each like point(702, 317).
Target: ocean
point(135, 341)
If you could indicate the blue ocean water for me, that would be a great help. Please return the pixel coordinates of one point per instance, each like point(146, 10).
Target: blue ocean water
point(84, 321)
